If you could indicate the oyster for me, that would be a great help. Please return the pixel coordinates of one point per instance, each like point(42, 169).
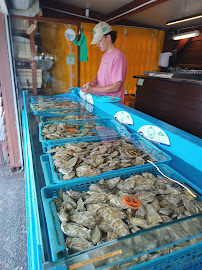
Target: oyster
point(119, 227)
point(145, 197)
point(140, 222)
point(96, 235)
point(63, 214)
point(70, 163)
point(77, 244)
point(75, 230)
point(93, 207)
point(96, 198)
point(104, 226)
point(113, 182)
point(165, 211)
point(87, 171)
point(80, 205)
point(141, 212)
point(152, 216)
point(75, 195)
point(155, 204)
point(84, 218)
point(111, 236)
point(68, 176)
point(110, 213)
point(189, 205)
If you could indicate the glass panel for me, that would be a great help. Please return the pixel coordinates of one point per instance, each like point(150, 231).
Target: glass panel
point(145, 246)
point(44, 59)
point(133, 249)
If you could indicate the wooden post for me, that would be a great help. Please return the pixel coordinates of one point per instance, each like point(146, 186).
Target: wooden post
point(7, 95)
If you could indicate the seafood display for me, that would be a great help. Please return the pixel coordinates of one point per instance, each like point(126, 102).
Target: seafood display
point(54, 105)
point(72, 117)
point(150, 256)
point(51, 99)
point(62, 111)
point(89, 159)
point(63, 130)
point(99, 215)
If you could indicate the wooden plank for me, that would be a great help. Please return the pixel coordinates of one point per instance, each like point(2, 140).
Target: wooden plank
point(116, 15)
point(176, 103)
point(7, 94)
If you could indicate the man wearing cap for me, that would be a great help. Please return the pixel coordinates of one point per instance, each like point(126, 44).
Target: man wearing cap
point(113, 67)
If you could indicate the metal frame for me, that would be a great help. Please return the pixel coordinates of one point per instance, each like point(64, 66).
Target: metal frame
point(51, 20)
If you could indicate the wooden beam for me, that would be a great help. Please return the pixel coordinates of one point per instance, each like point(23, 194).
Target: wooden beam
point(131, 9)
point(46, 4)
point(7, 95)
point(45, 19)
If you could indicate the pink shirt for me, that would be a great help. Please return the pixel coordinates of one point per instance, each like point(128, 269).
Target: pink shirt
point(113, 68)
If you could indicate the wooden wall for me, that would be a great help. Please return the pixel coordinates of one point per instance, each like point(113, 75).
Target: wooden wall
point(176, 103)
point(189, 52)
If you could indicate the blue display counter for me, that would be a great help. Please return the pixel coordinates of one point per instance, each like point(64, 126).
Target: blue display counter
point(186, 153)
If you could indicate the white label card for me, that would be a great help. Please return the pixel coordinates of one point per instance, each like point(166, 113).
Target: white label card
point(154, 133)
point(82, 95)
point(89, 99)
point(124, 117)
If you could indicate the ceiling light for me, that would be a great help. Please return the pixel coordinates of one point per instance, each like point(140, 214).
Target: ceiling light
point(185, 19)
point(186, 35)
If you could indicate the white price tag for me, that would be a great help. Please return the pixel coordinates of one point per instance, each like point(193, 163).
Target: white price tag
point(124, 117)
point(89, 99)
point(82, 95)
point(154, 133)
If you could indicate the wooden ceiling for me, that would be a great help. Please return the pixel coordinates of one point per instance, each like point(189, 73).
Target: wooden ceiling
point(140, 13)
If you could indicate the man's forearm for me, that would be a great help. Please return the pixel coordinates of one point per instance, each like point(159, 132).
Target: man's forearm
point(111, 88)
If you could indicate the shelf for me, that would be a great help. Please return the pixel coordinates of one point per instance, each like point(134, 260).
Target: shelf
point(24, 60)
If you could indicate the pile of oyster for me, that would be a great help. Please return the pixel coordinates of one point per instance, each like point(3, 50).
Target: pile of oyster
point(61, 130)
point(99, 215)
point(51, 99)
point(73, 117)
point(88, 159)
point(80, 109)
point(54, 105)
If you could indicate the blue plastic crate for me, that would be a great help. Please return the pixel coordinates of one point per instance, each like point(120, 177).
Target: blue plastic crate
point(80, 106)
point(54, 177)
point(108, 128)
point(57, 244)
point(60, 112)
point(55, 98)
point(98, 113)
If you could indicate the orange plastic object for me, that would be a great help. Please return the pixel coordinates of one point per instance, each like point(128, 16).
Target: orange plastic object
point(131, 202)
point(72, 130)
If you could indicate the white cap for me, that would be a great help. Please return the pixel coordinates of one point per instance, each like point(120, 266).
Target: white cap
point(99, 31)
